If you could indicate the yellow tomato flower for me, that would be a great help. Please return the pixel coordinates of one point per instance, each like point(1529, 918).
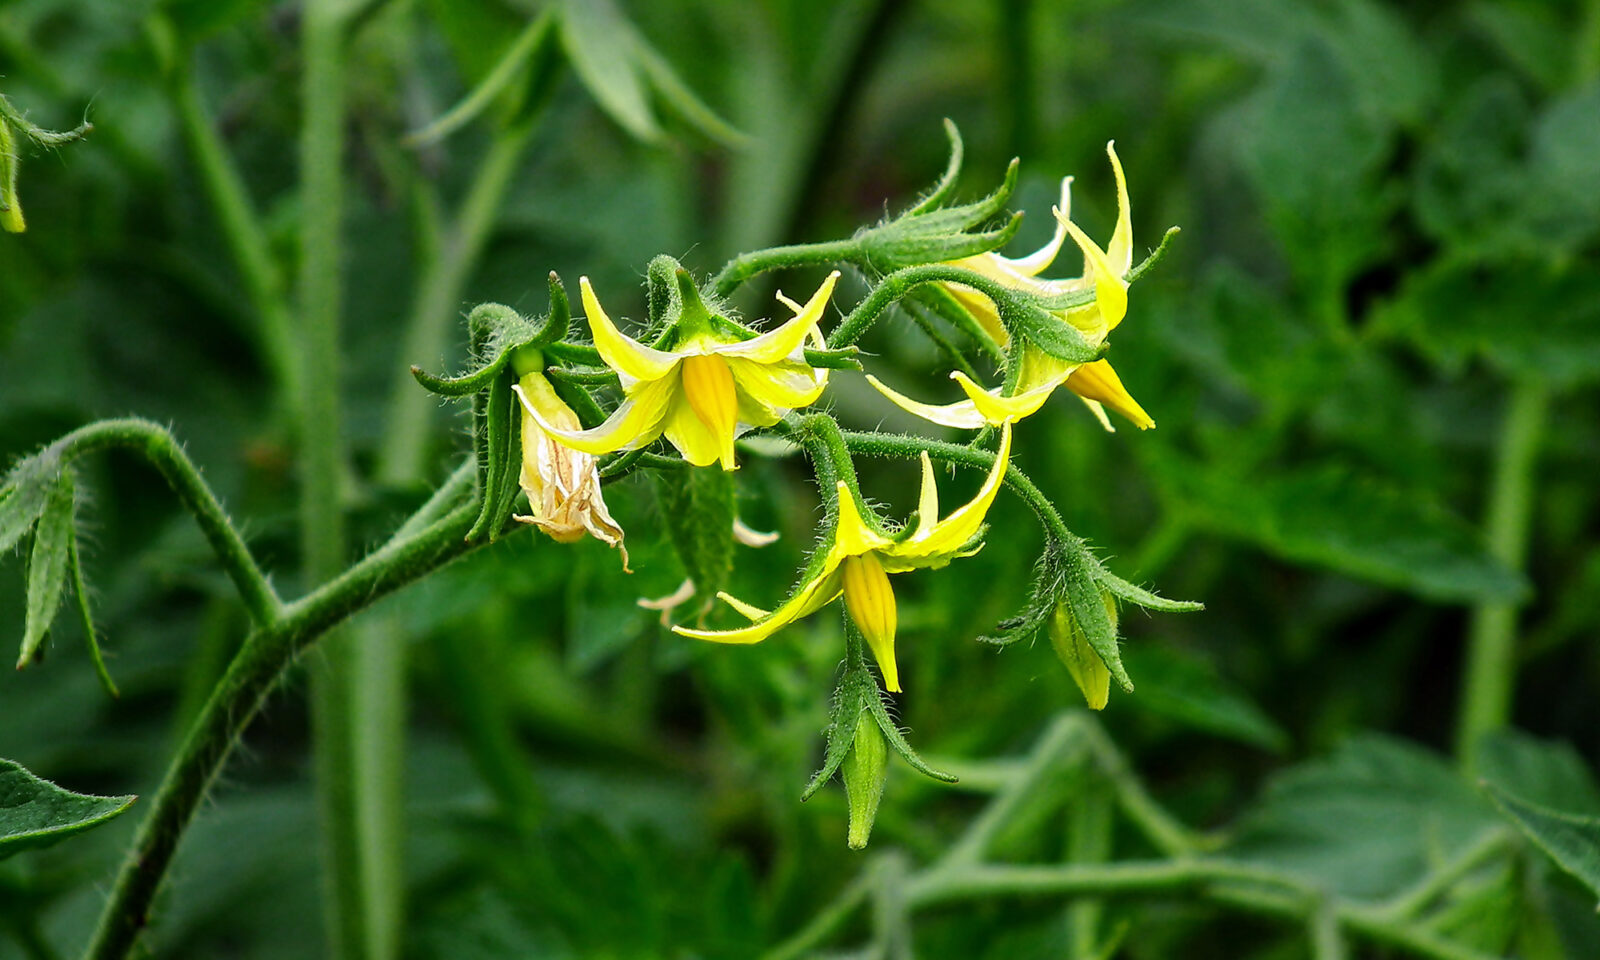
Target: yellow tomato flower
point(1096, 382)
point(562, 484)
point(709, 390)
point(860, 559)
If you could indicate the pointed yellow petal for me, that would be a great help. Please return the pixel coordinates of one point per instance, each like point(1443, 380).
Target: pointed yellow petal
point(811, 597)
point(1097, 381)
point(786, 340)
point(928, 499)
point(1119, 252)
point(782, 385)
point(1110, 290)
point(870, 600)
point(1035, 263)
point(633, 424)
point(749, 610)
point(851, 535)
point(1099, 410)
point(944, 539)
point(996, 409)
point(962, 415)
point(694, 440)
point(621, 352)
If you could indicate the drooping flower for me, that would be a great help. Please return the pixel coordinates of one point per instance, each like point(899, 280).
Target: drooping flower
point(859, 559)
point(562, 484)
point(716, 383)
point(1040, 374)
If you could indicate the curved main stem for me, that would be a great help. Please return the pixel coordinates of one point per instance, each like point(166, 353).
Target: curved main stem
point(157, 445)
point(267, 653)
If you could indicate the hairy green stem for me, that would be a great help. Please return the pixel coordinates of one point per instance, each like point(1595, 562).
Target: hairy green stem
point(1491, 647)
point(242, 232)
point(157, 445)
point(264, 658)
point(749, 265)
point(402, 459)
point(901, 282)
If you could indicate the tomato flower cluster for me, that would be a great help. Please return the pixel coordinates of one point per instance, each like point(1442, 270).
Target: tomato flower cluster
point(700, 379)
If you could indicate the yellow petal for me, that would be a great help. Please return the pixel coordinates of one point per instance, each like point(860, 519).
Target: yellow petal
point(622, 353)
point(851, 535)
point(633, 424)
point(697, 443)
point(1110, 290)
point(814, 595)
point(782, 385)
point(750, 611)
point(996, 409)
point(981, 308)
point(1119, 252)
point(962, 414)
point(870, 600)
point(942, 541)
point(928, 498)
point(1098, 382)
point(1035, 263)
point(786, 340)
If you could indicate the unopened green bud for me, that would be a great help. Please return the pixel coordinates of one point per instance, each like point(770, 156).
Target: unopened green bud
point(864, 770)
point(1072, 646)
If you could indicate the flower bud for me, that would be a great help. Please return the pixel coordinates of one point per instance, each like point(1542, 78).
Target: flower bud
point(1072, 646)
point(864, 770)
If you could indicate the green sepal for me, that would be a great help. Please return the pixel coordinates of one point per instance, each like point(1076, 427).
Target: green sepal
point(1048, 584)
point(856, 684)
point(496, 332)
point(698, 510)
point(1139, 596)
point(91, 637)
point(897, 740)
point(952, 172)
point(1025, 317)
point(36, 813)
point(500, 455)
point(844, 358)
point(1082, 595)
point(930, 232)
point(47, 566)
point(24, 494)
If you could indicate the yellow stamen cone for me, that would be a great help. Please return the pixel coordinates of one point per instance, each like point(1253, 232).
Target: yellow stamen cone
point(708, 386)
point(870, 600)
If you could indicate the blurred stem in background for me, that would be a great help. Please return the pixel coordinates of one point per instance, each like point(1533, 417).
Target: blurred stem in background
point(1491, 671)
point(359, 901)
point(241, 227)
point(435, 314)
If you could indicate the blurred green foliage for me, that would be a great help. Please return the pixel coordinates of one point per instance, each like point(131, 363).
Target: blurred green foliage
point(1391, 218)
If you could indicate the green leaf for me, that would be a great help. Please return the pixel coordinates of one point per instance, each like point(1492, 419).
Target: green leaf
point(602, 46)
point(697, 508)
point(1545, 772)
point(1360, 526)
point(47, 566)
point(1186, 690)
point(36, 813)
point(1368, 821)
point(1529, 317)
point(1573, 842)
point(603, 614)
